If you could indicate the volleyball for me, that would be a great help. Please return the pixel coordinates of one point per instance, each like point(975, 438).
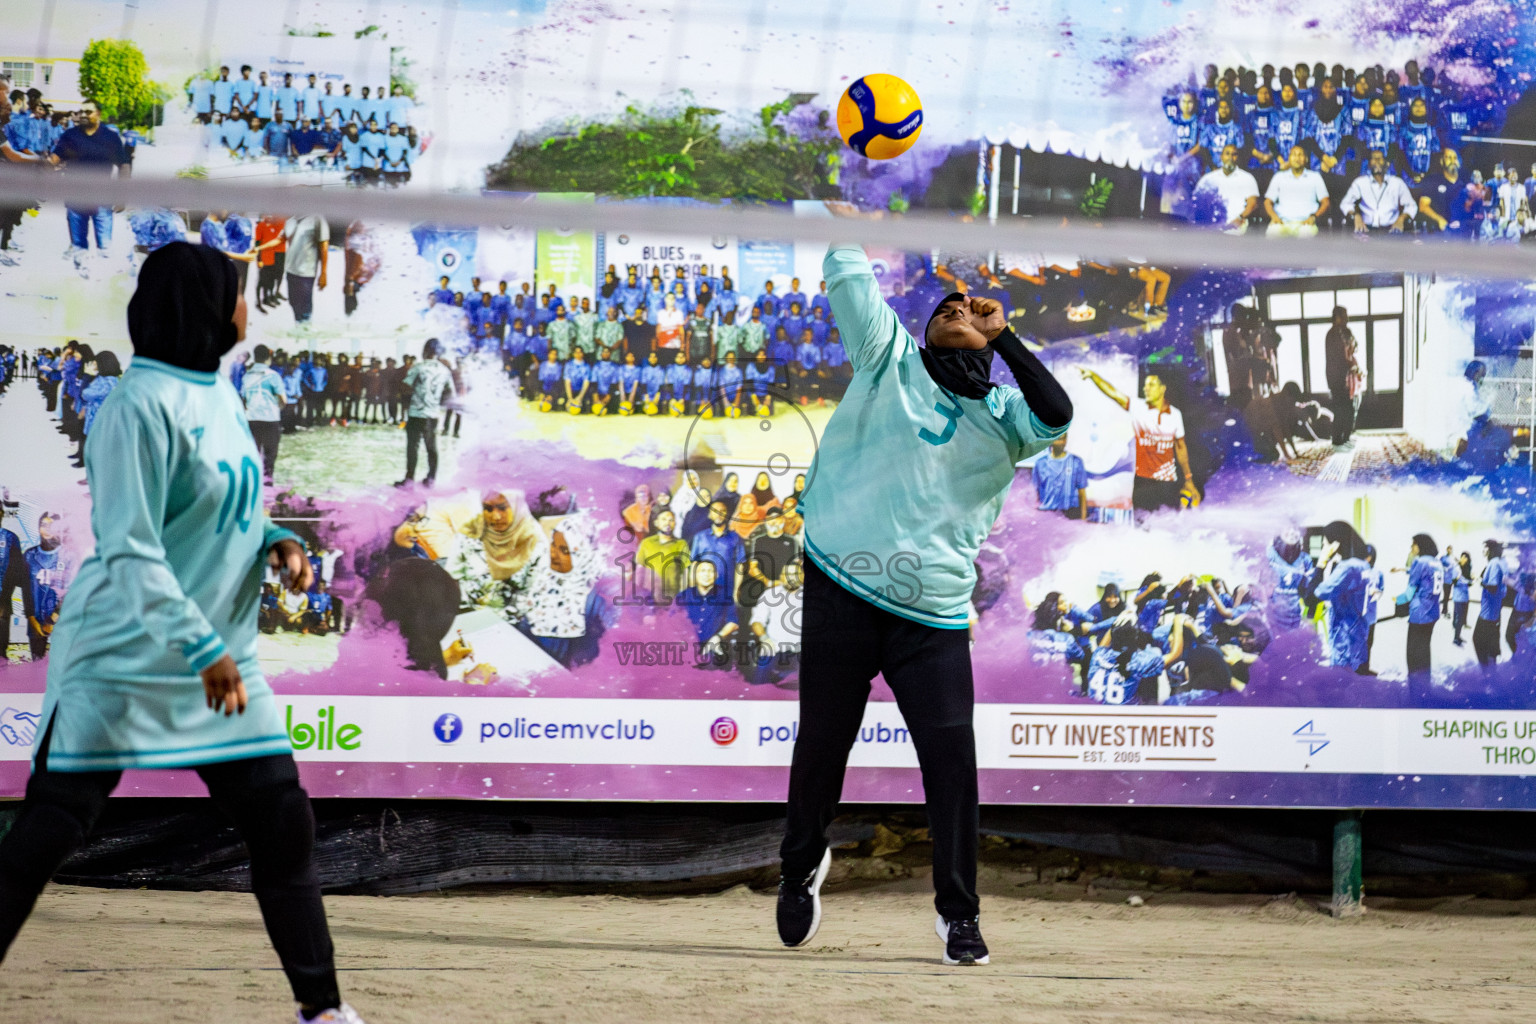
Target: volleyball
point(880, 116)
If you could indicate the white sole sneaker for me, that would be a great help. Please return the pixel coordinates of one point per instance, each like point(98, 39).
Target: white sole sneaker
point(941, 929)
point(343, 1014)
point(821, 876)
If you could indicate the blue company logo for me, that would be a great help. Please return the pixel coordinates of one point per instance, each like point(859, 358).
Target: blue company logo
point(1309, 735)
point(448, 727)
point(18, 728)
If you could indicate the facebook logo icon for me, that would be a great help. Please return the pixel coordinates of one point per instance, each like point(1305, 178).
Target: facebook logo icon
point(448, 727)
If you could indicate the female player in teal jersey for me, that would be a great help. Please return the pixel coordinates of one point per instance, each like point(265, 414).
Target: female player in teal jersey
point(162, 673)
point(910, 476)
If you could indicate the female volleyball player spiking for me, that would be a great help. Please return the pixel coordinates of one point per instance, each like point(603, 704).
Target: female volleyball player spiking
point(162, 671)
point(910, 476)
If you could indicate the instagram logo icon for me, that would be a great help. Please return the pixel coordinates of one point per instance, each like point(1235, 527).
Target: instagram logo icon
point(723, 731)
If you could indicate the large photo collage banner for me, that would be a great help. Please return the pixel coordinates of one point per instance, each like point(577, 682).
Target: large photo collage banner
point(550, 480)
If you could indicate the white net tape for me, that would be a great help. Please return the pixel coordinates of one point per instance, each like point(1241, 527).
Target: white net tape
point(1165, 246)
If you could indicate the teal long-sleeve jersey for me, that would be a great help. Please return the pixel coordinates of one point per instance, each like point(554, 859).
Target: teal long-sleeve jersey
point(908, 478)
point(172, 586)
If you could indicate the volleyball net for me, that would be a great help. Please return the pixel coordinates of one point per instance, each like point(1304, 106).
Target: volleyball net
point(1161, 242)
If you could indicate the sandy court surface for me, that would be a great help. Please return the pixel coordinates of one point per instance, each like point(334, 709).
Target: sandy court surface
point(1058, 954)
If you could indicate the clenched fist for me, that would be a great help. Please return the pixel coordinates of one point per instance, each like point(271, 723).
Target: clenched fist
point(986, 316)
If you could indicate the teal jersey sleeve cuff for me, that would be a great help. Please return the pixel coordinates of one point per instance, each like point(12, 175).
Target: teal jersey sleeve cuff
point(1044, 432)
point(272, 533)
point(204, 652)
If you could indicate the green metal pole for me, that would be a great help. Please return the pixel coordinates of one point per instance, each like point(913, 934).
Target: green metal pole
point(1348, 888)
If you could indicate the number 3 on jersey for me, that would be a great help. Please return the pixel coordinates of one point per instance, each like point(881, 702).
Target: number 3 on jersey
point(951, 417)
point(244, 493)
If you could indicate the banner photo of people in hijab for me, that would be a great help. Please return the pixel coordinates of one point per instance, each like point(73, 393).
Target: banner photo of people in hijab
point(554, 484)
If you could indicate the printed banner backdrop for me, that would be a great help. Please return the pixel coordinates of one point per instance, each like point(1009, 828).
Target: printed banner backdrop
point(1283, 557)
point(454, 253)
point(666, 253)
point(506, 254)
point(567, 259)
point(337, 61)
point(762, 262)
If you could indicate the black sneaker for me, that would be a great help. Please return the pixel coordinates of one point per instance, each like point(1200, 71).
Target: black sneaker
point(963, 944)
point(799, 910)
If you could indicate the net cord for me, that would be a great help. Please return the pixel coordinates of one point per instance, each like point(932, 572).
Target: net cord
point(1159, 245)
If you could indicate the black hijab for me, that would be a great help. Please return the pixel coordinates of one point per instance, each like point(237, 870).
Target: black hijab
point(1350, 543)
point(180, 312)
point(963, 371)
point(87, 357)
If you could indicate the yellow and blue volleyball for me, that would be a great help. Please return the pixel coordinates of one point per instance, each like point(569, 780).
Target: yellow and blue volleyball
point(880, 116)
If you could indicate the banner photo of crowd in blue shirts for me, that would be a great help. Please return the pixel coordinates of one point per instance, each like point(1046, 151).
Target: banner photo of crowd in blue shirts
point(554, 483)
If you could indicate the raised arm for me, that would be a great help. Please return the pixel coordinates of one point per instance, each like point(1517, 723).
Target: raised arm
point(1049, 410)
point(1332, 578)
point(870, 327)
point(1176, 638)
point(1228, 613)
point(1215, 597)
point(1106, 387)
